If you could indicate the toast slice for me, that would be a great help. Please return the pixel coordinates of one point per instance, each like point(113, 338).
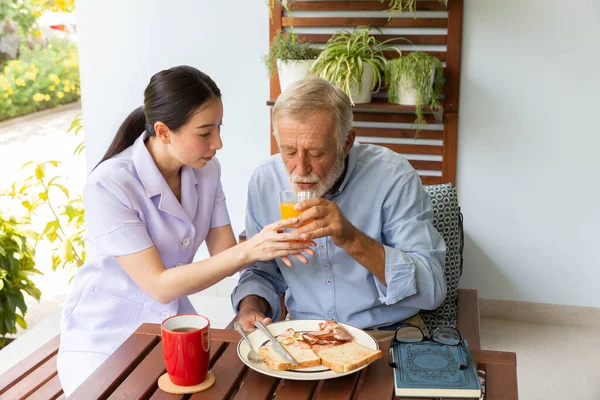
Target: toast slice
point(302, 353)
point(348, 357)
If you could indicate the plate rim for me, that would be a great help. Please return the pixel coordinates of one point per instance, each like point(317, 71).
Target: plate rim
point(277, 374)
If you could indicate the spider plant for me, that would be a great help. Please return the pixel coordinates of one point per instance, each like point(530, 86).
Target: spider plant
point(398, 6)
point(271, 5)
point(420, 74)
point(346, 56)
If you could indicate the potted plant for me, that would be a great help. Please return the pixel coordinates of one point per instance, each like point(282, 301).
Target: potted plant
point(398, 6)
point(415, 79)
point(16, 265)
point(354, 61)
point(293, 58)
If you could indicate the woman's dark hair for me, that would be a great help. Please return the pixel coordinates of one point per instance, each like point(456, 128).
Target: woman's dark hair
point(172, 96)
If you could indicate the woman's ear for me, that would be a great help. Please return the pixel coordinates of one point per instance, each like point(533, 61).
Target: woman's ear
point(163, 133)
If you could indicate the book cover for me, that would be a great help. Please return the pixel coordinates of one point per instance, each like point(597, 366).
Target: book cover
point(427, 369)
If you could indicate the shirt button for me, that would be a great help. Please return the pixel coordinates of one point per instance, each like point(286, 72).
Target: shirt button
point(186, 242)
point(165, 315)
point(322, 246)
point(328, 281)
point(178, 264)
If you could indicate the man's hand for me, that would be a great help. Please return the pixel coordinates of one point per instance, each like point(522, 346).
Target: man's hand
point(247, 317)
point(253, 308)
point(328, 220)
point(324, 219)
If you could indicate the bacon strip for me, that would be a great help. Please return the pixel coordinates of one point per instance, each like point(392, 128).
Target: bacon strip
point(330, 333)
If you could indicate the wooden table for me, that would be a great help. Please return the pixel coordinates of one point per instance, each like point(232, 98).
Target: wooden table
point(133, 370)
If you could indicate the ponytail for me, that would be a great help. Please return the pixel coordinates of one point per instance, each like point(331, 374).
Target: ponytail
point(131, 128)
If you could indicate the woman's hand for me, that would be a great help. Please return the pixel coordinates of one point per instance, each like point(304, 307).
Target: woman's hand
point(272, 242)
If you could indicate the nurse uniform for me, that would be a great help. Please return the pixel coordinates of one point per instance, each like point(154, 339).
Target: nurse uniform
point(128, 208)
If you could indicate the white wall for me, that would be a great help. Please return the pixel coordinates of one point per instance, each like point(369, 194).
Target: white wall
point(123, 43)
point(527, 172)
point(528, 169)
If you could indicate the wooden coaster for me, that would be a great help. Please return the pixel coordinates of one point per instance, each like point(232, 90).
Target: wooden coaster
point(164, 382)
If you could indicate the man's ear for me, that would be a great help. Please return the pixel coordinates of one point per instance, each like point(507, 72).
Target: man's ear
point(163, 133)
point(349, 141)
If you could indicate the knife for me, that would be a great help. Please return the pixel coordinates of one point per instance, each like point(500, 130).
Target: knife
point(279, 349)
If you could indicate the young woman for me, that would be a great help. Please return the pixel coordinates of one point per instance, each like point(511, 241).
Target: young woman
point(153, 199)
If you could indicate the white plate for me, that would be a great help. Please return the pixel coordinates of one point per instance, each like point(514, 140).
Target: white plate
point(299, 325)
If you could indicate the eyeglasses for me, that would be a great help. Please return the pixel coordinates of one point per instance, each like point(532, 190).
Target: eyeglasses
point(407, 333)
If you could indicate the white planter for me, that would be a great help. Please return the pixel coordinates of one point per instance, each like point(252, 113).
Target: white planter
point(292, 71)
point(364, 96)
point(409, 96)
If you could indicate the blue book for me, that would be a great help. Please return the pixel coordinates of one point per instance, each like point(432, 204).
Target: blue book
point(428, 369)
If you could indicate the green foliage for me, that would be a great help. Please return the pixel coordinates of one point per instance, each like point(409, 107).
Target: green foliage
point(41, 78)
point(65, 226)
point(39, 192)
point(271, 5)
point(345, 55)
point(26, 12)
point(414, 71)
point(16, 266)
point(23, 12)
point(286, 46)
point(399, 6)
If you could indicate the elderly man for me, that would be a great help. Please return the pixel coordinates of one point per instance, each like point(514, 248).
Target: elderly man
point(378, 259)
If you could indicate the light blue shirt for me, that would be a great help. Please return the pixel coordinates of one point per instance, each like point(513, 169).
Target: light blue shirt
point(382, 196)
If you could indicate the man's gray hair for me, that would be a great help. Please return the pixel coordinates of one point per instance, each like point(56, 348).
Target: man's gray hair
point(303, 98)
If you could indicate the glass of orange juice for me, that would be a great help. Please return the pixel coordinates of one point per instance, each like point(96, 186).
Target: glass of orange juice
point(287, 201)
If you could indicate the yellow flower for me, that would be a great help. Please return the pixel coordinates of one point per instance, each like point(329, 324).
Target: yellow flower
point(47, 97)
point(20, 82)
point(6, 69)
point(6, 95)
point(5, 86)
point(12, 63)
point(52, 87)
point(67, 89)
point(78, 91)
point(72, 87)
point(54, 79)
point(38, 97)
point(60, 95)
point(9, 91)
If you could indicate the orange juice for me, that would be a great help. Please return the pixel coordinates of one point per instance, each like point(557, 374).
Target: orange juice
point(287, 211)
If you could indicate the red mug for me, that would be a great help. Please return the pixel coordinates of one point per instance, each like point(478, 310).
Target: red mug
point(186, 347)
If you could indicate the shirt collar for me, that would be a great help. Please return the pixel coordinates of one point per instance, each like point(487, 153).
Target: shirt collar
point(155, 184)
point(153, 181)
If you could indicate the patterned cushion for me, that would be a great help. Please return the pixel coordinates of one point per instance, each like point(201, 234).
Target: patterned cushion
point(447, 219)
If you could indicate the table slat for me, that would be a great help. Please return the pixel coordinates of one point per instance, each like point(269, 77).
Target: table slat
point(296, 390)
point(160, 395)
point(50, 391)
point(143, 380)
point(32, 381)
point(339, 389)
point(257, 386)
point(229, 371)
point(501, 382)
point(116, 368)
point(379, 378)
point(30, 363)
